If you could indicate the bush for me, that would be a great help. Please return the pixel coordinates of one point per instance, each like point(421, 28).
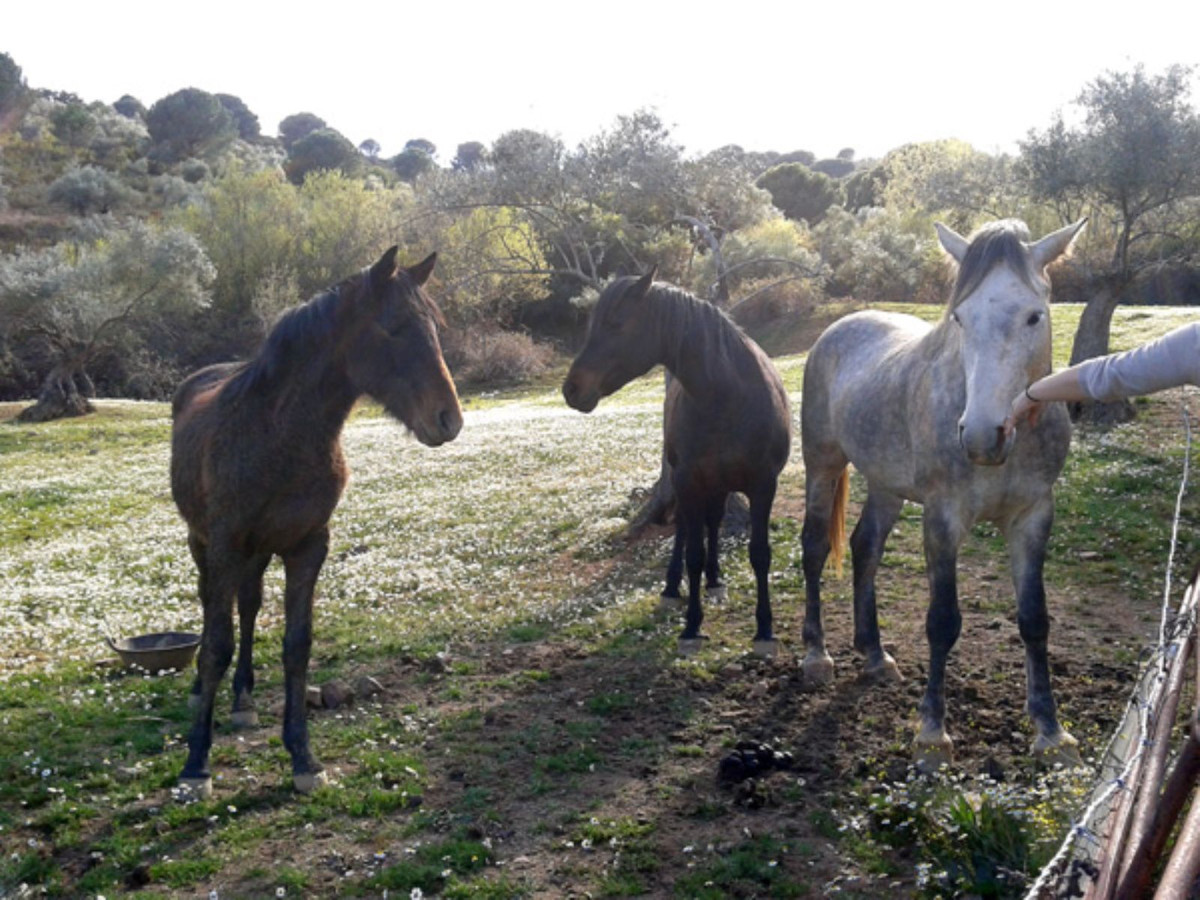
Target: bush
point(495, 357)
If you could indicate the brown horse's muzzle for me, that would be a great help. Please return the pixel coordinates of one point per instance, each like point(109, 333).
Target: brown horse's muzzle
point(440, 427)
point(578, 395)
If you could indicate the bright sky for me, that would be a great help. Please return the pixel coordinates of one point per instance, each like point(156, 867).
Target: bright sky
point(818, 75)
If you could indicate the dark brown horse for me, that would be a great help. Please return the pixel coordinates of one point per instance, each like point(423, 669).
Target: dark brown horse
point(257, 470)
point(726, 424)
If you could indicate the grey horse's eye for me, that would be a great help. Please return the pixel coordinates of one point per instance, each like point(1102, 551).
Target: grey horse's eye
point(955, 319)
point(1033, 319)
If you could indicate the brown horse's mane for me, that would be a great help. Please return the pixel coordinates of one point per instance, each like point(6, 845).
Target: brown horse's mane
point(696, 327)
point(995, 243)
point(306, 333)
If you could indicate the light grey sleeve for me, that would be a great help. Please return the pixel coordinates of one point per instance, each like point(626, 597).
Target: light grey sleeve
point(1165, 362)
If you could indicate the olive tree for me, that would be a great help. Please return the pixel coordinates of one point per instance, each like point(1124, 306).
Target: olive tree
point(1133, 166)
point(75, 299)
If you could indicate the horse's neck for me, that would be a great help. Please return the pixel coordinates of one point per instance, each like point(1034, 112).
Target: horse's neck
point(313, 402)
point(700, 354)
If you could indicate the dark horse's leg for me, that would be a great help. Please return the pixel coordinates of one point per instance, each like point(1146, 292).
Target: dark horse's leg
point(866, 544)
point(691, 514)
point(1027, 536)
point(820, 490)
point(249, 603)
point(761, 500)
point(223, 572)
point(302, 564)
point(943, 624)
point(675, 566)
point(713, 514)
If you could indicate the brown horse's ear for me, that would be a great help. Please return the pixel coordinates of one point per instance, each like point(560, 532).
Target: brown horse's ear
point(421, 271)
point(385, 268)
point(642, 285)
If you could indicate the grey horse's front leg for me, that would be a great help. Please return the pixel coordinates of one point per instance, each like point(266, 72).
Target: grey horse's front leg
point(943, 624)
point(1027, 537)
point(866, 544)
point(820, 490)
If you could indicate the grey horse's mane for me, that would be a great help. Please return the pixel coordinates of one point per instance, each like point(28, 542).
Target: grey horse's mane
point(995, 243)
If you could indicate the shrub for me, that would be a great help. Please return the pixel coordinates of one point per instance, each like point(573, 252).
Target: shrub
point(495, 357)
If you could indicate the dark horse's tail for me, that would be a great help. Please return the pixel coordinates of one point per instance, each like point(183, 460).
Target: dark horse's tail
point(837, 520)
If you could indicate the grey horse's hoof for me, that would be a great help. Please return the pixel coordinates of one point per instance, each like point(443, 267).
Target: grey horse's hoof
point(718, 594)
point(883, 672)
point(308, 782)
point(1059, 749)
point(933, 749)
point(818, 669)
point(767, 649)
point(244, 718)
point(691, 646)
point(197, 788)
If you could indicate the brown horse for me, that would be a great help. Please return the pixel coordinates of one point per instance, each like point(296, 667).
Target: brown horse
point(257, 470)
point(726, 424)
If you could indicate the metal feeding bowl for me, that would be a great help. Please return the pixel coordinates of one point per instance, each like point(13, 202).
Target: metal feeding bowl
point(158, 652)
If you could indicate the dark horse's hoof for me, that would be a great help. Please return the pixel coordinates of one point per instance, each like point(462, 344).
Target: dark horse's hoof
point(766, 649)
point(691, 646)
point(196, 788)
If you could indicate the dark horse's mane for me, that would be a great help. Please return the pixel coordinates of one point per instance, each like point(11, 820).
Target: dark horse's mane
point(694, 326)
point(995, 243)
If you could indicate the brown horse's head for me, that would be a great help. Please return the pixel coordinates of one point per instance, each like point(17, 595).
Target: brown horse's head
point(393, 354)
point(619, 346)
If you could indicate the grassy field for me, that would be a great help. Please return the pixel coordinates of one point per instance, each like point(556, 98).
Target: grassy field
point(536, 736)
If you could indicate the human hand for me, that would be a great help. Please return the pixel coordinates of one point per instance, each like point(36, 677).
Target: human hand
point(1023, 408)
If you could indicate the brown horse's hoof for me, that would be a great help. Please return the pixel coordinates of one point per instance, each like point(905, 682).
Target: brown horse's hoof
point(883, 672)
point(767, 649)
point(244, 718)
point(718, 594)
point(691, 646)
point(1060, 749)
point(933, 749)
point(308, 782)
point(197, 788)
point(818, 669)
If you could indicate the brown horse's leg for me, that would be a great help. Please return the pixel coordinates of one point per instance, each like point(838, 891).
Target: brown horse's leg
point(760, 560)
point(196, 546)
point(1027, 537)
point(866, 543)
point(691, 513)
point(302, 564)
point(943, 624)
point(713, 515)
point(223, 573)
point(249, 603)
point(675, 566)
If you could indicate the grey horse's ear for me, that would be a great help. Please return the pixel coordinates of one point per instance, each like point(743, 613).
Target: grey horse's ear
point(642, 285)
point(952, 242)
point(421, 271)
point(1054, 245)
point(385, 268)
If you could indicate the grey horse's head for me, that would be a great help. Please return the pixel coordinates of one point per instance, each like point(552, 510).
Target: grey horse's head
point(1001, 312)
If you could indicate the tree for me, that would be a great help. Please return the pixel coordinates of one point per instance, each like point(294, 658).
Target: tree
point(1132, 165)
point(244, 120)
point(87, 189)
point(190, 122)
point(948, 180)
point(323, 149)
point(469, 157)
point(73, 124)
point(130, 107)
point(80, 297)
point(798, 192)
point(429, 148)
point(370, 149)
point(12, 84)
point(411, 163)
point(297, 126)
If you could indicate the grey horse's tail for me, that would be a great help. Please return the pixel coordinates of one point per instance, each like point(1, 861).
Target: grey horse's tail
point(837, 520)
